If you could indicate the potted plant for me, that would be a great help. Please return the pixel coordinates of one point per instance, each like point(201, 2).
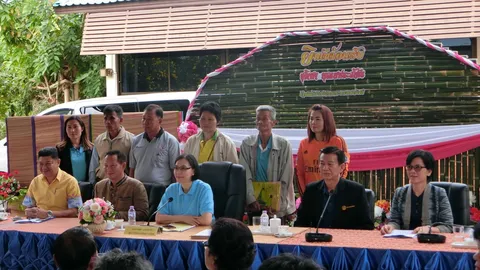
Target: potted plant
point(95, 213)
point(10, 191)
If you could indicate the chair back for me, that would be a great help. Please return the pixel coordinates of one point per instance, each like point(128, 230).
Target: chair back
point(228, 182)
point(86, 190)
point(371, 202)
point(154, 193)
point(459, 198)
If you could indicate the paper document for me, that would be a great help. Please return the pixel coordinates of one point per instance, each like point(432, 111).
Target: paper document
point(176, 227)
point(202, 235)
point(33, 220)
point(401, 234)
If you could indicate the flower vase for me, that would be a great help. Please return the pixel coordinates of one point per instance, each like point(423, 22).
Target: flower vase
point(97, 228)
point(3, 205)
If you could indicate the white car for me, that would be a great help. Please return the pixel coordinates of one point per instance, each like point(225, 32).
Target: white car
point(170, 101)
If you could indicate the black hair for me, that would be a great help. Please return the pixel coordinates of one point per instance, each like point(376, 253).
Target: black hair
point(427, 158)
point(154, 107)
point(341, 157)
point(476, 232)
point(113, 108)
point(231, 244)
point(48, 152)
point(193, 163)
point(74, 248)
point(287, 261)
point(213, 108)
point(118, 260)
point(121, 157)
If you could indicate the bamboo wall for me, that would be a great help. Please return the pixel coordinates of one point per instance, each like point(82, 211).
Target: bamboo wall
point(27, 135)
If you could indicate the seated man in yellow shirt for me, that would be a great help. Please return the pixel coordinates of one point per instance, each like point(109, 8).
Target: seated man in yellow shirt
point(53, 193)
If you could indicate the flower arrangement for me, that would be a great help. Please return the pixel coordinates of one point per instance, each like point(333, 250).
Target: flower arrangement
point(96, 211)
point(10, 189)
point(382, 210)
point(474, 214)
point(185, 130)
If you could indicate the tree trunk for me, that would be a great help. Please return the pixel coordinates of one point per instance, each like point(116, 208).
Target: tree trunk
point(76, 87)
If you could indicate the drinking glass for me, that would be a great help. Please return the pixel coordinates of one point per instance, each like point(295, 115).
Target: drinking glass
point(458, 233)
point(256, 223)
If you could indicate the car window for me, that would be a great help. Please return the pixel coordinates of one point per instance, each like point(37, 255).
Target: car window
point(168, 105)
point(60, 112)
point(98, 109)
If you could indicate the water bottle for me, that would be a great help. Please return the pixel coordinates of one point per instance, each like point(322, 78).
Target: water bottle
point(132, 215)
point(264, 222)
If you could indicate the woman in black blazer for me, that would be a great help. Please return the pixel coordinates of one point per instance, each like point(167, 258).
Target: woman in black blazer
point(75, 151)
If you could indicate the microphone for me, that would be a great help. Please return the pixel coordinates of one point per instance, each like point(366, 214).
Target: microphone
point(159, 208)
point(320, 237)
point(432, 238)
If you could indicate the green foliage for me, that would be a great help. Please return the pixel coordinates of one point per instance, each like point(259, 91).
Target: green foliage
point(40, 57)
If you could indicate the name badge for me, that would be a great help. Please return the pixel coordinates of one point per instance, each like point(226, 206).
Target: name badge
point(345, 207)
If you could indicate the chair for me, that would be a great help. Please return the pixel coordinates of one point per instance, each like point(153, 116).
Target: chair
point(228, 182)
point(154, 193)
point(458, 196)
point(86, 190)
point(371, 202)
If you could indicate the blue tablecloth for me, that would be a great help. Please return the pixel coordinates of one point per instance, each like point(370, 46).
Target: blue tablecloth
point(24, 250)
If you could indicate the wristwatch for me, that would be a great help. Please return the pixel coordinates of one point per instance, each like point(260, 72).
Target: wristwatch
point(50, 214)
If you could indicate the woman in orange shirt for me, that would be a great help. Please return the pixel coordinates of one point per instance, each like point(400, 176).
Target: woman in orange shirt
point(321, 133)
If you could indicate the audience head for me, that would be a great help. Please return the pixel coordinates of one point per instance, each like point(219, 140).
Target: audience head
point(266, 118)
point(287, 261)
point(420, 164)
point(118, 260)
point(210, 116)
point(476, 236)
point(115, 164)
point(332, 162)
point(74, 130)
point(113, 118)
point(75, 249)
point(230, 246)
point(152, 118)
point(186, 168)
point(321, 121)
point(48, 162)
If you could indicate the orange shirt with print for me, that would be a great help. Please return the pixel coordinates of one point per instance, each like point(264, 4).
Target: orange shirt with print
point(308, 170)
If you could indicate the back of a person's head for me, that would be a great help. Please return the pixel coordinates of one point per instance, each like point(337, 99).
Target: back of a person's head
point(74, 249)
point(287, 261)
point(231, 244)
point(118, 260)
point(476, 232)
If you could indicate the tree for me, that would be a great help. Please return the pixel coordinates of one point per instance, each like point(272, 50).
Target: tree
point(40, 58)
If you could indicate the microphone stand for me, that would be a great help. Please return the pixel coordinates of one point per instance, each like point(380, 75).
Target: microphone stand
point(320, 237)
point(432, 238)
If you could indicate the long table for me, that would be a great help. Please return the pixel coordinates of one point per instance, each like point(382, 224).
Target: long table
point(27, 246)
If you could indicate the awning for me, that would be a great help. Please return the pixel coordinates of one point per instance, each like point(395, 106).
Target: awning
point(161, 26)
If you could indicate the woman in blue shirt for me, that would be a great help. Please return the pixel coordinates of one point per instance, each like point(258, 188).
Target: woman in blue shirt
point(75, 151)
point(192, 198)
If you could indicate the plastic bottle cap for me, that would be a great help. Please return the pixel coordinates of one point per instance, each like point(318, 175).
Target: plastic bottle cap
point(131, 207)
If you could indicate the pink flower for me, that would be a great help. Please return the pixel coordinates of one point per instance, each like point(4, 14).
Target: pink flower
point(98, 220)
point(298, 202)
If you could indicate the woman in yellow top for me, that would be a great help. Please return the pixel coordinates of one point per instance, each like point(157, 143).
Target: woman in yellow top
point(210, 144)
point(322, 132)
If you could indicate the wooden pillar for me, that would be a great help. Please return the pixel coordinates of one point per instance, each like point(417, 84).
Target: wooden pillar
point(476, 48)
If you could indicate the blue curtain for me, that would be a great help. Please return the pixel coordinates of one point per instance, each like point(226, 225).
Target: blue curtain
point(21, 250)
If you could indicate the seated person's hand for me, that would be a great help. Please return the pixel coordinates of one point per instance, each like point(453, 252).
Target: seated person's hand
point(191, 220)
point(42, 213)
point(31, 212)
point(386, 229)
point(426, 229)
point(253, 207)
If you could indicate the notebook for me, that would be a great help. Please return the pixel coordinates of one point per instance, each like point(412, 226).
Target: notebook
point(205, 234)
point(400, 234)
point(33, 220)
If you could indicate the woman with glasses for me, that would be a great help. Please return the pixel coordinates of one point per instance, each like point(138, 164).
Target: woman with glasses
point(191, 199)
point(420, 204)
point(322, 132)
point(230, 246)
point(75, 151)
point(211, 144)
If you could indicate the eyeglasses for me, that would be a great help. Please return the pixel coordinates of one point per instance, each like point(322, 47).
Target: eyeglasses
point(417, 168)
point(182, 168)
